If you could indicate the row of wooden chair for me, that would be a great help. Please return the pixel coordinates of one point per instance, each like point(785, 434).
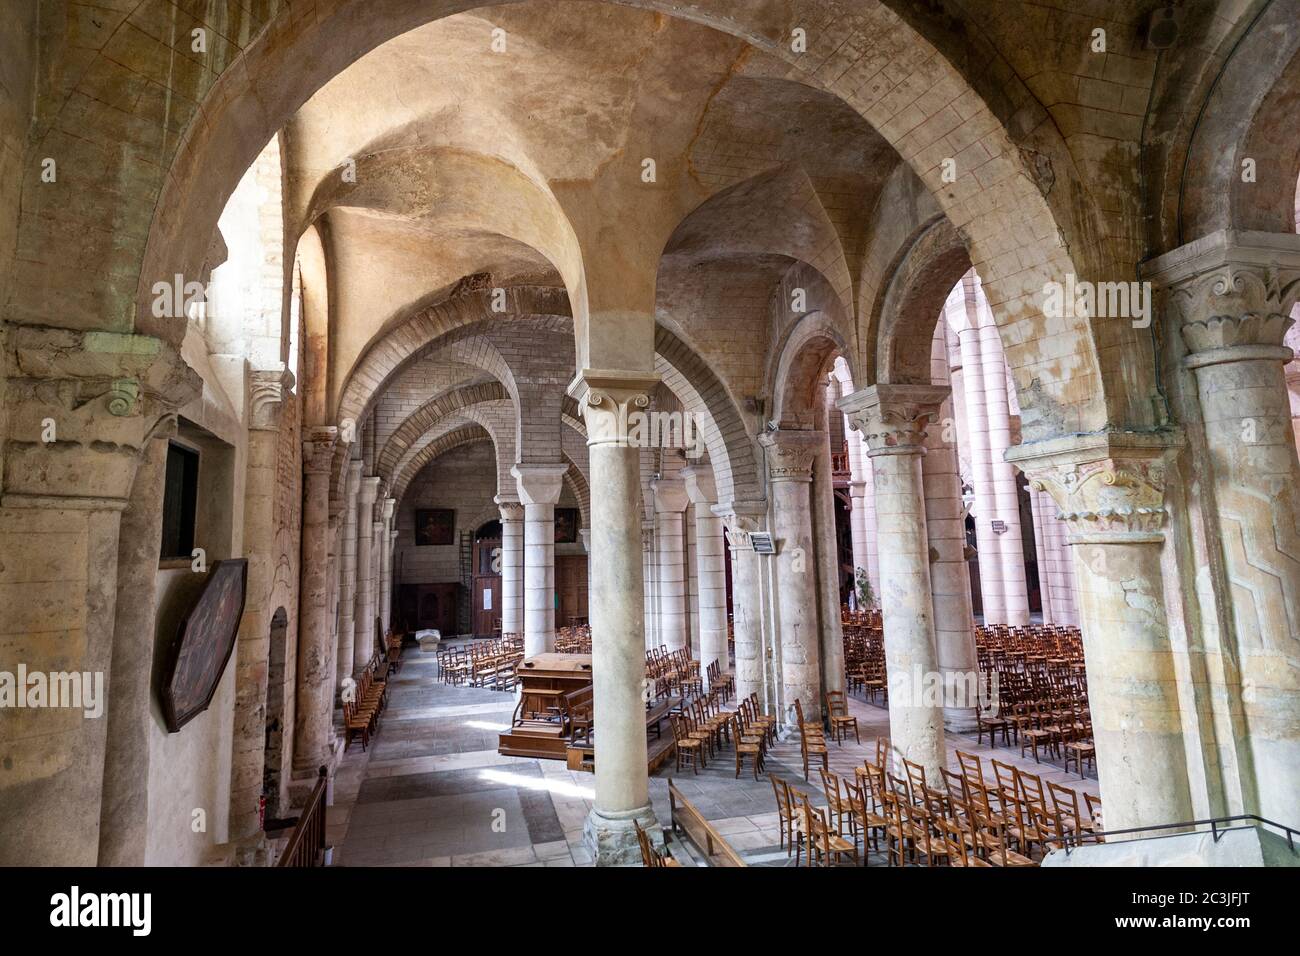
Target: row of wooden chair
point(365, 703)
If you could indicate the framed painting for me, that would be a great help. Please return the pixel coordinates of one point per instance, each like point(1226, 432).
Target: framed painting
point(435, 526)
point(566, 525)
point(199, 653)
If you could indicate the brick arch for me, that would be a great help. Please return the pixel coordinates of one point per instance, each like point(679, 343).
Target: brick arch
point(496, 417)
point(465, 434)
point(577, 483)
point(802, 360)
point(704, 395)
point(429, 414)
point(916, 287)
point(419, 334)
point(879, 64)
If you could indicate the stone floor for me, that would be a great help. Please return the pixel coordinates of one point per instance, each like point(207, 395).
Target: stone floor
point(433, 791)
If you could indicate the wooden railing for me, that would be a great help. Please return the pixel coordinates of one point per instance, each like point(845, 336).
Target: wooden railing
point(306, 846)
point(690, 822)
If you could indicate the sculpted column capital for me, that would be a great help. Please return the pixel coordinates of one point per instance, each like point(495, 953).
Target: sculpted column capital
point(318, 449)
point(1230, 294)
point(791, 453)
point(611, 397)
point(539, 484)
point(893, 418)
point(368, 490)
point(266, 391)
point(740, 519)
point(1109, 486)
point(700, 487)
point(511, 510)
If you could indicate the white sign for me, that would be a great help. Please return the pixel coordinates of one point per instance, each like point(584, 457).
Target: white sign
point(487, 599)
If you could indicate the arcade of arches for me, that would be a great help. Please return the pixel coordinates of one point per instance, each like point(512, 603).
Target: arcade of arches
point(699, 325)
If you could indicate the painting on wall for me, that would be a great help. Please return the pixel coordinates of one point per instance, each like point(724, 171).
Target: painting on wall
point(199, 653)
point(566, 525)
point(435, 526)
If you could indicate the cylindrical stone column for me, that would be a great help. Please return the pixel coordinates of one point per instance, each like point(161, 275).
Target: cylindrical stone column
point(539, 490)
point(740, 519)
point(670, 507)
point(893, 420)
point(1235, 350)
point(790, 455)
point(826, 546)
point(512, 566)
point(363, 642)
point(1110, 489)
point(124, 813)
point(617, 618)
point(315, 705)
point(1006, 498)
point(386, 565)
point(710, 570)
point(347, 574)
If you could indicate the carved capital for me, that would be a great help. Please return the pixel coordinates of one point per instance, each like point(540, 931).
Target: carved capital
point(739, 520)
point(1109, 486)
point(80, 408)
point(539, 484)
point(389, 506)
point(1230, 294)
point(791, 453)
point(266, 391)
point(611, 397)
point(318, 449)
point(511, 510)
point(368, 491)
point(893, 418)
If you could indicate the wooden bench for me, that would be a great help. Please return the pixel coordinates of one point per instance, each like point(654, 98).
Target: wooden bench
point(689, 822)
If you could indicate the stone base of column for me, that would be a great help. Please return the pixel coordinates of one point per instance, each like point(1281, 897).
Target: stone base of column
point(960, 720)
point(612, 838)
point(302, 780)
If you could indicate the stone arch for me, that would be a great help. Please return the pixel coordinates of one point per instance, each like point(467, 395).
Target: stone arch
point(429, 414)
point(909, 91)
point(465, 434)
point(803, 360)
point(420, 334)
point(907, 313)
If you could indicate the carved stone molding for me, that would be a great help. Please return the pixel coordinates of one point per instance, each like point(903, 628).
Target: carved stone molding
point(318, 449)
point(267, 388)
point(893, 418)
point(611, 397)
point(80, 407)
point(791, 453)
point(739, 520)
point(1230, 294)
point(1109, 486)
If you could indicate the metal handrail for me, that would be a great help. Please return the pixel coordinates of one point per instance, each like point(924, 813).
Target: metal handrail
point(1214, 823)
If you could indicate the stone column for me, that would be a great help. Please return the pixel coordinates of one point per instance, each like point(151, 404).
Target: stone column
point(740, 519)
point(649, 584)
point(313, 719)
point(386, 565)
point(124, 814)
point(790, 455)
point(670, 506)
point(253, 648)
point(859, 493)
point(376, 579)
point(1006, 498)
point(893, 420)
point(80, 408)
point(945, 522)
point(826, 546)
point(363, 625)
point(1231, 294)
point(710, 569)
point(966, 321)
point(347, 585)
point(539, 489)
point(1040, 547)
point(617, 616)
point(1110, 490)
point(512, 566)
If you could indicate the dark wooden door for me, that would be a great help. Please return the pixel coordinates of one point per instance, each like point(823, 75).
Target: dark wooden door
point(571, 588)
point(486, 598)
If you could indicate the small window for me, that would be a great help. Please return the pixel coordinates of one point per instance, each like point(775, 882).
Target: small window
point(179, 498)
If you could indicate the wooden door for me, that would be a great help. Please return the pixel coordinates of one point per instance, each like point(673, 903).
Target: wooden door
point(486, 597)
point(570, 588)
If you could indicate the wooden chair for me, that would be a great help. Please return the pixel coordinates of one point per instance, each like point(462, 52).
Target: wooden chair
point(650, 857)
point(685, 746)
point(823, 842)
point(837, 805)
point(1094, 812)
point(838, 708)
point(785, 812)
point(746, 746)
point(355, 724)
point(865, 806)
